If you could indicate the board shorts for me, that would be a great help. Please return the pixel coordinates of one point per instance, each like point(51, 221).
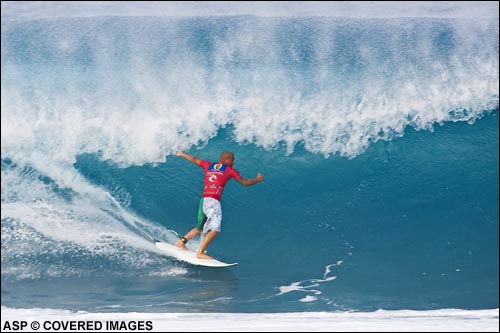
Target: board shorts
point(209, 215)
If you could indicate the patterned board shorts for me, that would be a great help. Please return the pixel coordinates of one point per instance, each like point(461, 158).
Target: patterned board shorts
point(209, 215)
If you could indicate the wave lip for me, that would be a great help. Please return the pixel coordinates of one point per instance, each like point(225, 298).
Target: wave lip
point(374, 9)
point(332, 85)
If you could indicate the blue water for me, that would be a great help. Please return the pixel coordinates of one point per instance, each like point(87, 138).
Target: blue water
point(377, 138)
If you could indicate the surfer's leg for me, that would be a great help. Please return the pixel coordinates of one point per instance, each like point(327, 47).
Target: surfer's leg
point(204, 244)
point(191, 234)
point(202, 218)
point(213, 217)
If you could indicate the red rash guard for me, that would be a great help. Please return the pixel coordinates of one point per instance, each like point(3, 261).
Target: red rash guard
point(216, 177)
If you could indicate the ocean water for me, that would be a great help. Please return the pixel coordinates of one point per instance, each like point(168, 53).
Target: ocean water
point(377, 135)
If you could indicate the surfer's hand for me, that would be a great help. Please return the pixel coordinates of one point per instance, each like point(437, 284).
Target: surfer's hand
point(259, 177)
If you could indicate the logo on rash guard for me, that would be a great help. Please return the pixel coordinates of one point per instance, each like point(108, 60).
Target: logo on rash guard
point(217, 167)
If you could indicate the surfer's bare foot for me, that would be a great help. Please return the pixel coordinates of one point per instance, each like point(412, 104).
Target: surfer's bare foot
point(203, 256)
point(181, 245)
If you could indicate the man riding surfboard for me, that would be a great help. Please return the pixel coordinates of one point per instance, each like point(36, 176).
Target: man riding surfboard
point(210, 211)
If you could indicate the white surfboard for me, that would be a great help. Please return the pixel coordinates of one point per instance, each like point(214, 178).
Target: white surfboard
point(190, 256)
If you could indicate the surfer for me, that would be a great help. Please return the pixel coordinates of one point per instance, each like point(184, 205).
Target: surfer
point(210, 211)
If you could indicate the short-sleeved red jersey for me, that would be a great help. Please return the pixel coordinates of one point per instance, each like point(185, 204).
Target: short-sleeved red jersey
point(216, 177)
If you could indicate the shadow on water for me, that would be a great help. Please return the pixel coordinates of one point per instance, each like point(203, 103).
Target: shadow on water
point(200, 273)
point(199, 289)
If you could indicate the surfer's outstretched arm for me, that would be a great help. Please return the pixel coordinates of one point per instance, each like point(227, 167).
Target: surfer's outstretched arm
point(188, 157)
point(252, 181)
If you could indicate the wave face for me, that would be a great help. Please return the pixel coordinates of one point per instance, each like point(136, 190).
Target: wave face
point(378, 138)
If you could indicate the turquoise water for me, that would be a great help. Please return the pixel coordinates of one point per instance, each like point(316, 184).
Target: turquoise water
point(378, 140)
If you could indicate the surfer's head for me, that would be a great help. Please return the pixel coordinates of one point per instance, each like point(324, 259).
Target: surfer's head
point(227, 158)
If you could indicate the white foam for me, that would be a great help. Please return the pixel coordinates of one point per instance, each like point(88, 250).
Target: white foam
point(37, 220)
point(153, 108)
point(443, 320)
point(310, 286)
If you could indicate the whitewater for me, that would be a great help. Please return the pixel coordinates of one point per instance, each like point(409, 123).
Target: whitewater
point(375, 126)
